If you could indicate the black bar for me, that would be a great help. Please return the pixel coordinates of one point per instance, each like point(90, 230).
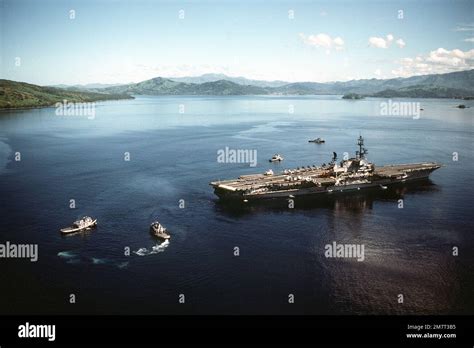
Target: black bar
point(134, 330)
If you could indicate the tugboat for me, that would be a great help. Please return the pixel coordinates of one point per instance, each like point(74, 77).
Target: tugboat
point(80, 225)
point(276, 158)
point(159, 231)
point(317, 141)
point(352, 174)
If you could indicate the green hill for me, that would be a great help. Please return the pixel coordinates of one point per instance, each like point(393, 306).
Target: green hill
point(162, 86)
point(22, 95)
point(424, 92)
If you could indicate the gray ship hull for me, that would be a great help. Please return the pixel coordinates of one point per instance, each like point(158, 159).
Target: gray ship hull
point(261, 187)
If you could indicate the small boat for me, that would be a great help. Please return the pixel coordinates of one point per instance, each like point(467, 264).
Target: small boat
point(276, 158)
point(80, 225)
point(159, 231)
point(317, 141)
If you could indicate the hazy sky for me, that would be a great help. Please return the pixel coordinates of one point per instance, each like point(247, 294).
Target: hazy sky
point(124, 41)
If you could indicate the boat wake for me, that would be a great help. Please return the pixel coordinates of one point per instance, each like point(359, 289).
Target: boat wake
point(67, 255)
point(154, 250)
point(122, 265)
point(73, 258)
point(98, 261)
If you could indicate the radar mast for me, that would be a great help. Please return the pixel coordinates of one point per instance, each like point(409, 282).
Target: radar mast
point(362, 150)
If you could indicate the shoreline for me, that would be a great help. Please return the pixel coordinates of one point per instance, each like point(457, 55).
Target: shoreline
point(233, 95)
point(53, 106)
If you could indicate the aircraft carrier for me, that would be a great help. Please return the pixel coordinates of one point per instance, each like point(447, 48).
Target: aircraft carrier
point(351, 174)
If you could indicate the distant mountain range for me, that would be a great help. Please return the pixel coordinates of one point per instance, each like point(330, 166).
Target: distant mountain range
point(451, 85)
point(238, 80)
point(457, 84)
point(162, 86)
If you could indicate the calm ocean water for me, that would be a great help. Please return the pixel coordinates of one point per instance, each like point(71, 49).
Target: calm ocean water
point(173, 157)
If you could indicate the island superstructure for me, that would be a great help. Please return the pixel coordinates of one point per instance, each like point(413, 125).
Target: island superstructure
point(351, 174)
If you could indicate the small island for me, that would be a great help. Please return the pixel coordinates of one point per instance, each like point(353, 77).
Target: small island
point(353, 96)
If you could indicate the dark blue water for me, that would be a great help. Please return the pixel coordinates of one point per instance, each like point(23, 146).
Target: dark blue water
point(173, 157)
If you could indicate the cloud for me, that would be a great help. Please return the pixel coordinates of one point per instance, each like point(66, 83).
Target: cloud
point(439, 61)
point(323, 41)
point(323, 13)
point(400, 43)
point(378, 72)
point(465, 27)
point(471, 39)
point(338, 41)
point(377, 42)
point(380, 42)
